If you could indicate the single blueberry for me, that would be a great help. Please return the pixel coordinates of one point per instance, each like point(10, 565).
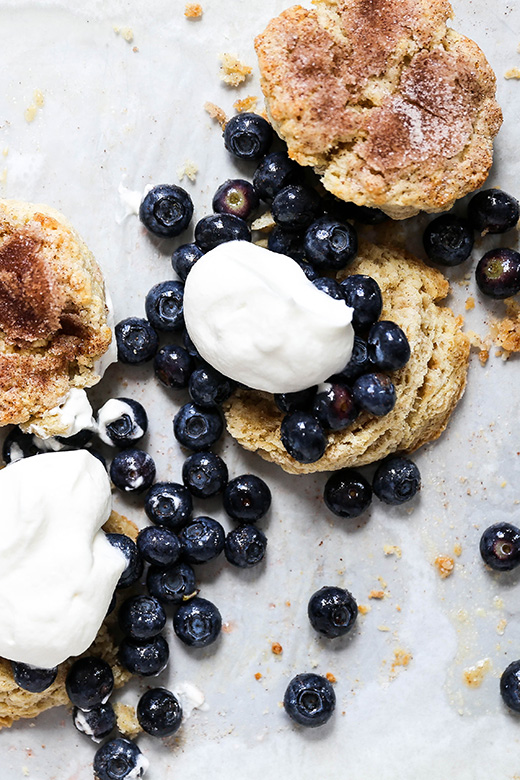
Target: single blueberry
point(164, 305)
point(202, 540)
point(89, 682)
point(134, 567)
point(493, 211)
point(330, 245)
point(158, 545)
point(500, 546)
point(510, 686)
point(33, 678)
point(308, 270)
point(189, 346)
point(184, 258)
point(396, 480)
point(296, 207)
point(286, 242)
point(97, 723)
point(141, 617)
point(18, 445)
point(448, 240)
point(347, 493)
point(309, 700)
point(204, 474)
point(159, 712)
point(301, 400)
point(388, 346)
point(303, 437)
point(132, 470)
point(329, 286)
point(136, 340)
point(344, 210)
point(166, 210)
point(78, 440)
point(375, 393)
point(274, 173)
point(247, 498)
point(197, 622)
point(207, 387)
point(119, 759)
point(363, 294)
point(220, 228)
point(168, 504)
point(359, 362)
point(248, 136)
point(334, 406)
point(197, 428)
point(173, 366)
point(121, 422)
point(498, 273)
point(332, 611)
point(171, 584)
point(146, 657)
point(235, 196)
point(245, 546)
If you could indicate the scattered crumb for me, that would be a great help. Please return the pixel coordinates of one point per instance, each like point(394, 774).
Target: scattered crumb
point(39, 98)
point(501, 626)
point(506, 332)
point(264, 223)
point(287, 603)
point(330, 677)
point(381, 582)
point(392, 549)
point(127, 722)
point(401, 658)
point(498, 602)
point(483, 356)
point(445, 565)
point(193, 11)
point(32, 110)
point(363, 609)
point(135, 49)
point(475, 340)
point(503, 484)
point(30, 113)
point(125, 32)
point(470, 303)
point(232, 71)
point(512, 73)
point(5, 151)
point(376, 594)
point(398, 608)
point(383, 628)
point(263, 242)
point(245, 104)
point(474, 675)
point(457, 549)
point(216, 112)
point(276, 648)
point(25, 771)
point(258, 676)
point(189, 169)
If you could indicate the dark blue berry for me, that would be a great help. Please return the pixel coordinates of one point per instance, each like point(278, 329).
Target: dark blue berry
point(136, 340)
point(364, 214)
point(245, 546)
point(248, 136)
point(18, 445)
point(197, 428)
point(332, 611)
point(347, 493)
point(301, 400)
point(166, 210)
point(363, 294)
point(493, 211)
point(220, 228)
point(171, 584)
point(303, 437)
point(121, 422)
point(97, 723)
point(169, 504)
point(146, 657)
point(89, 682)
point(330, 245)
point(388, 346)
point(78, 440)
point(197, 622)
point(510, 686)
point(274, 173)
point(358, 364)
point(32, 678)
point(141, 617)
point(309, 700)
point(158, 545)
point(334, 406)
point(246, 498)
point(132, 470)
point(164, 305)
point(500, 546)
point(498, 273)
point(159, 712)
point(308, 270)
point(235, 196)
point(173, 366)
point(208, 388)
point(296, 207)
point(286, 242)
point(448, 240)
point(329, 287)
point(375, 393)
point(396, 480)
point(202, 540)
point(204, 474)
point(189, 346)
point(184, 258)
point(134, 566)
point(119, 759)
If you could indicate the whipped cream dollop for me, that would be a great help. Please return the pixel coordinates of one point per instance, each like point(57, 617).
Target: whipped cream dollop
point(58, 571)
point(255, 317)
point(72, 415)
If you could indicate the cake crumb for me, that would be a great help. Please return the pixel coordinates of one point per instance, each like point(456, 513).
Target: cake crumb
point(276, 648)
point(512, 73)
point(457, 549)
point(258, 676)
point(376, 594)
point(126, 33)
point(216, 112)
point(264, 223)
point(506, 332)
point(363, 609)
point(193, 11)
point(32, 110)
point(245, 104)
point(501, 626)
point(401, 658)
point(189, 169)
point(470, 303)
point(474, 675)
point(392, 549)
point(483, 356)
point(383, 628)
point(233, 71)
point(127, 722)
point(445, 565)
point(330, 677)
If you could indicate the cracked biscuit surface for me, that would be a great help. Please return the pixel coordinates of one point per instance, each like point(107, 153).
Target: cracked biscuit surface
point(392, 108)
point(428, 387)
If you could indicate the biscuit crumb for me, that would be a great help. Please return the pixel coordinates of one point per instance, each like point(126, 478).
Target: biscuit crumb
point(474, 675)
point(501, 626)
point(193, 11)
point(483, 356)
point(383, 628)
point(258, 676)
point(216, 112)
point(264, 223)
point(233, 71)
point(127, 722)
point(376, 594)
point(457, 549)
point(126, 33)
point(189, 169)
point(512, 73)
point(330, 677)
point(392, 549)
point(276, 648)
point(363, 609)
point(245, 104)
point(401, 658)
point(445, 565)
point(506, 332)
point(470, 303)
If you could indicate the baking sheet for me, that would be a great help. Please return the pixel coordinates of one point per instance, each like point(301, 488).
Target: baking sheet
point(120, 112)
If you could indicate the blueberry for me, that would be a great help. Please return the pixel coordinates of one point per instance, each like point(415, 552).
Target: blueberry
point(89, 682)
point(204, 474)
point(18, 445)
point(197, 428)
point(119, 759)
point(295, 207)
point(189, 346)
point(141, 617)
point(202, 540)
point(159, 712)
point(500, 546)
point(301, 400)
point(303, 437)
point(347, 493)
point(78, 440)
point(197, 622)
point(274, 173)
point(334, 406)
point(97, 723)
point(235, 196)
point(173, 366)
point(166, 210)
point(134, 567)
point(388, 346)
point(493, 211)
point(358, 364)
point(208, 388)
point(330, 245)
point(245, 546)
point(498, 273)
point(309, 700)
point(121, 422)
point(32, 678)
point(168, 504)
point(146, 657)
point(158, 545)
point(136, 340)
point(220, 228)
point(248, 136)
point(448, 240)
point(510, 686)
point(396, 480)
point(329, 287)
point(132, 471)
point(164, 305)
point(332, 611)
point(363, 294)
point(286, 242)
point(308, 270)
point(171, 584)
point(184, 258)
point(345, 210)
point(375, 393)
point(246, 498)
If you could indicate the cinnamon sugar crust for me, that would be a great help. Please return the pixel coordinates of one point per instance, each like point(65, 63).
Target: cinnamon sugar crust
point(390, 106)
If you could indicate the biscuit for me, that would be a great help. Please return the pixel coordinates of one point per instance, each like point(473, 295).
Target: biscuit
point(428, 387)
point(392, 108)
point(16, 703)
point(53, 312)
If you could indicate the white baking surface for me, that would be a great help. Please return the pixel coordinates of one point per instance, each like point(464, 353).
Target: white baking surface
point(132, 113)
